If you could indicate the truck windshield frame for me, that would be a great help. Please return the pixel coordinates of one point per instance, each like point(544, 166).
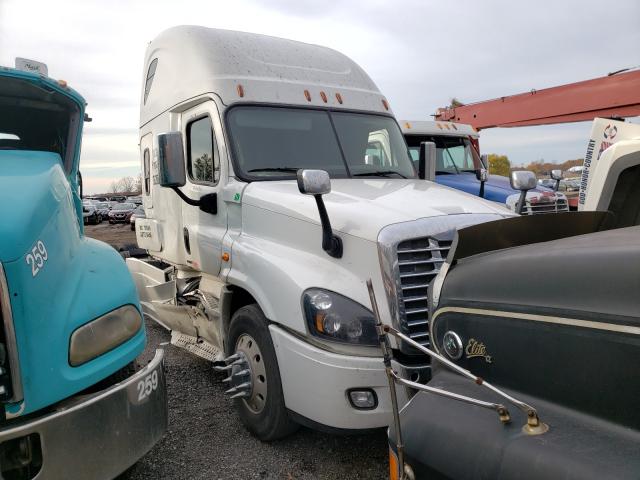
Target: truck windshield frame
point(453, 154)
point(42, 119)
point(264, 140)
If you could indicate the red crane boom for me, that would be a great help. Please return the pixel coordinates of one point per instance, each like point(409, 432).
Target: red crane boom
point(616, 95)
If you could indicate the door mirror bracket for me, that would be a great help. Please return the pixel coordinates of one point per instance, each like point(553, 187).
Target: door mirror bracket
point(317, 183)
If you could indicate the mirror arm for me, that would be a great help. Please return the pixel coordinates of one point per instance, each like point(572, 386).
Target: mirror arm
point(207, 203)
point(557, 185)
point(193, 203)
point(331, 243)
point(521, 202)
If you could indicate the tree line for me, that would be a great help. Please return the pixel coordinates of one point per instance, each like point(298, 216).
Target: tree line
point(500, 165)
point(127, 185)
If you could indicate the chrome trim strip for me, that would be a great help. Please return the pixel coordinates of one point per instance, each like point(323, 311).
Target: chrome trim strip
point(10, 336)
point(611, 327)
point(391, 235)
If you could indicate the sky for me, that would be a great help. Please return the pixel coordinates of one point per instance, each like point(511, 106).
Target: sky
point(420, 53)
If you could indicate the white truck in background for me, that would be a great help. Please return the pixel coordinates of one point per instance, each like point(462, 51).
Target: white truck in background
point(611, 171)
point(265, 216)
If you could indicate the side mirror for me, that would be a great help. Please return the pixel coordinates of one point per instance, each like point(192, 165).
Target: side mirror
point(557, 176)
point(317, 183)
point(484, 159)
point(427, 161)
point(171, 160)
point(523, 180)
point(172, 171)
point(314, 182)
point(482, 175)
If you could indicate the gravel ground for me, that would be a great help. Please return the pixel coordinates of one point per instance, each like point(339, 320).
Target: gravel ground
point(206, 440)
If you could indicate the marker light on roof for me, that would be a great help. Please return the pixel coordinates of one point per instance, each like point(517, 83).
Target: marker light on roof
point(339, 98)
point(62, 83)
point(407, 125)
point(240, 91)
point(323, 96)
point(307, 95)
point(385, 104)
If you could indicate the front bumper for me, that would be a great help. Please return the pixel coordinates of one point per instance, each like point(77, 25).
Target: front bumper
point(315, 384)
point(101, 435)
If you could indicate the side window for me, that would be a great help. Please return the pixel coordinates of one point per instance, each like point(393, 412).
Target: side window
point(146, 172)
point(150, 74)
point(203, 162)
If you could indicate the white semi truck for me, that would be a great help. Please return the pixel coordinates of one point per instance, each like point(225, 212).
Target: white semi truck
point(611, 171)
point(266, 212)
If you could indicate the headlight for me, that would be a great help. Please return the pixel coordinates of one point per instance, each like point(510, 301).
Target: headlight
point(331, 316)
point(103, 334)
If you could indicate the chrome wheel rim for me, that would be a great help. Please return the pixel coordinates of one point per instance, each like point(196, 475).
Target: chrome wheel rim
point(257, 398)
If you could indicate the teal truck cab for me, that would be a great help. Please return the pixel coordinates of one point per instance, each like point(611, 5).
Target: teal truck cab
point(72, 403)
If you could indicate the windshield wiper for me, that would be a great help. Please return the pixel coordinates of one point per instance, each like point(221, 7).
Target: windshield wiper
point(275, 169)
point(378, 173)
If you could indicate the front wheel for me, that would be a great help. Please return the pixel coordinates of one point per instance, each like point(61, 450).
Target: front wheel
point(261, 406)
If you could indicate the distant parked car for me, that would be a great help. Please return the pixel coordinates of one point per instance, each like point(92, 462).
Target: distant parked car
point(90, 213)
point(103, 209)
point(569, 185)
point(118, 198)
point(137, 200)
point(137, 213)
point(547, 182)
point(121, 212)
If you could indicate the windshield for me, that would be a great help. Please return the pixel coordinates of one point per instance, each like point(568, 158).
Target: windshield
point(273, 143)
point(124, 206)
point(453, 154)
point(36, 118)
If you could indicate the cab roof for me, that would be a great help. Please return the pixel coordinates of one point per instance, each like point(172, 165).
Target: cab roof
point(188, 61)
point(425, 127)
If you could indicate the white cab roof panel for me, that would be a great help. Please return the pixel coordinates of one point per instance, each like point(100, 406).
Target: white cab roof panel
point(192, 61)
point(424, 127)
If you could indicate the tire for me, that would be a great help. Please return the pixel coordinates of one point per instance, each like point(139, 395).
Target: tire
point(133, 226)
point(110, 221)
point(271, 422)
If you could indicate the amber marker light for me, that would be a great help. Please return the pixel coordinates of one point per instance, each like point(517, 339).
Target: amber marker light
point(323, 96)
point(240, 91)
point(307, 95)
point(339, 98)
point(62, 83)
point(225, 257)
point(407, 125)
point(385, 104)
point(393, 466)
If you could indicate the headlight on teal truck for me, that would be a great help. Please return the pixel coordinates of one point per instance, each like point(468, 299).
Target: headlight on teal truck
point(103, 334)
point(334, 317)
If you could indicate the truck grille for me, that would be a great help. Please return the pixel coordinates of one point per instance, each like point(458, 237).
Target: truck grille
point(552, 206)
point(10, 386)
point(419, 261)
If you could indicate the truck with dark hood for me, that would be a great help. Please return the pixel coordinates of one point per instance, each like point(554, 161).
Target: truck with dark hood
point(557, 364)
point(72, 403)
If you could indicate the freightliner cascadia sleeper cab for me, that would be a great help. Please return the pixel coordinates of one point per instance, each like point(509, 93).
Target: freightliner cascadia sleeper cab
point(266, 211)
